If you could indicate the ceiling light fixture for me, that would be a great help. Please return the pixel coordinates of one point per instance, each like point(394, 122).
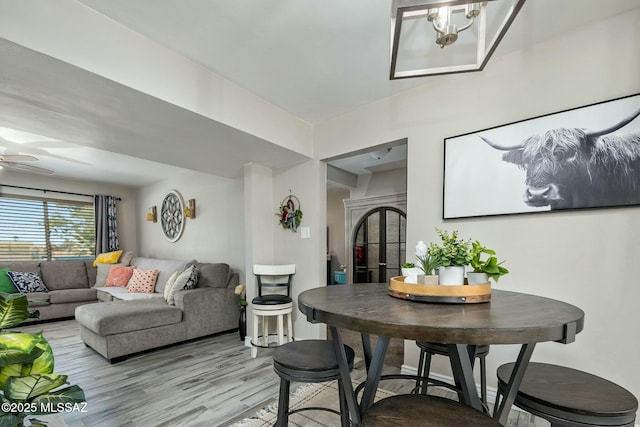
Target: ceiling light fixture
point(420, 31)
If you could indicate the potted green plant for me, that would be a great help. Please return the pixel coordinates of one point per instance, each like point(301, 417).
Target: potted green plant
point(28, 385)
point(484, 269)
point(452, 255)
point(410, 272)
point(427, 264)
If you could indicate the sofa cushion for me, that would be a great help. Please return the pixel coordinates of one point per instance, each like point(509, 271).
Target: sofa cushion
point(119, 276)
point(108, 257)
point(212, 275)
point(64, 275)
point(72, 295)
point(103, 295)
point(109, 318)
point(142, 281)
point(6, 285)
point(165, 267)
point(91, 272)
point(30, 266)
point(126, 258)
point(102, 271)
point(38, 299)
point(27, 282)
point(123, 294)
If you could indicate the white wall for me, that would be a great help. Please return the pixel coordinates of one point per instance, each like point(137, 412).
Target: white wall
point(585, 258)
point(381, 183)
point(217, 232)
point(125, 208)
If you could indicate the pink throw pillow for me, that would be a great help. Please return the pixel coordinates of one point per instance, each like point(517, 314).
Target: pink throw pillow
point(119, 276)
point(143, 281)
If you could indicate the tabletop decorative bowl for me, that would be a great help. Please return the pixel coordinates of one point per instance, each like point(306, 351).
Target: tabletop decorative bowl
point(465, 294)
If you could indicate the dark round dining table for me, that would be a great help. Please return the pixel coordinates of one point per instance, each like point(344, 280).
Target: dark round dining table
point(509, 318)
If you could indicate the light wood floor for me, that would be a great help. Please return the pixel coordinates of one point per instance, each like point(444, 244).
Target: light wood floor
point(207, 382)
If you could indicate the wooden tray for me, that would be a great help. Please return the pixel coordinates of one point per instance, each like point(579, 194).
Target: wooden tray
point(465, 294)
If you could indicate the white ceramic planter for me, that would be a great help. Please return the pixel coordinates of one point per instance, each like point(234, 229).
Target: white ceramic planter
point(451, 276)
point(477, 278)
point(411, 274)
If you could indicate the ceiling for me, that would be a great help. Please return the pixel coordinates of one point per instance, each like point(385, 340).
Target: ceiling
point(314, 59)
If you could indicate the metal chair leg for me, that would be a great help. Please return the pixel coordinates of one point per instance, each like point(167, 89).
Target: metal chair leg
point(419, 383)
point(344, 411)
point(283, 404)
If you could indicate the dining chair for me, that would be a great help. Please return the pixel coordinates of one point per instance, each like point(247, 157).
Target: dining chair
point(309, 361)
point(568, 397)
point(272, 280)
point(428, 349)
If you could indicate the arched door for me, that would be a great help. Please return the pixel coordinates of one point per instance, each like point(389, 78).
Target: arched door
point(379, 245)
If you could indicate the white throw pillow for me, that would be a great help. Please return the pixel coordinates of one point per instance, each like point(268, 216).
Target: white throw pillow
point(188, 279)
point(169, 285)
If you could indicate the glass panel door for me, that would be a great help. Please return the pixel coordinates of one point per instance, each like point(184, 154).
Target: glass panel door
point(379, 245)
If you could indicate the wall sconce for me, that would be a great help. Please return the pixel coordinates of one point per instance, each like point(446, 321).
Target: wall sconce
point(189, 211)
point(152, 214)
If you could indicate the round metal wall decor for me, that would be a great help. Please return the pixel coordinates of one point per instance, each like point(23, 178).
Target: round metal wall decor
point(171, 216)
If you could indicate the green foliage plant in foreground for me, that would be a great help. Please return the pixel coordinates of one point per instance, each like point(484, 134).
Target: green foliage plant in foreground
point(28, 386)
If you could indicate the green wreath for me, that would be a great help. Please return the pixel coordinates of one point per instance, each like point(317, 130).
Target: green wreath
point(290, 215)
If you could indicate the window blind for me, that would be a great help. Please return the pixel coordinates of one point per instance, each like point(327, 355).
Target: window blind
point(33, 228)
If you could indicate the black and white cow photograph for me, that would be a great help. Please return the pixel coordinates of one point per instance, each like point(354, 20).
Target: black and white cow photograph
point(587, 157)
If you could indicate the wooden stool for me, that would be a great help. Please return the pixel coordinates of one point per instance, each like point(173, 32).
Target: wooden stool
point(309, 361)
point(428, 349)
point(418, 410)
point(262, 312)
point(568, 397)
point(267, 305)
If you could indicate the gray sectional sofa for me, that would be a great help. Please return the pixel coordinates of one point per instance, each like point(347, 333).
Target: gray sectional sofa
point(70, 285)
point(118, 328)
point(116, 323)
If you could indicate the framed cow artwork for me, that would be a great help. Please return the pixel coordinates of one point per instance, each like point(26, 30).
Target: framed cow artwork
point(587, 157)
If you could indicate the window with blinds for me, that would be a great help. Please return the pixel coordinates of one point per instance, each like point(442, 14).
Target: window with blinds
point(45, 229)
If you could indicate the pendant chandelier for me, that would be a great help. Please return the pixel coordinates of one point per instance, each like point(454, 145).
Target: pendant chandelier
point(443, 37)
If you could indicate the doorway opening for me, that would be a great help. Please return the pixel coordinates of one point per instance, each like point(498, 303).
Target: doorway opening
point(379, 245)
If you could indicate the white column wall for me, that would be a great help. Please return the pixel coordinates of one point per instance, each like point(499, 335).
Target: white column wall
point(307, 181)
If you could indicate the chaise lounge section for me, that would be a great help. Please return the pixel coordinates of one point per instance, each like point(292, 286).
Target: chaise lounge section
point(119, 328)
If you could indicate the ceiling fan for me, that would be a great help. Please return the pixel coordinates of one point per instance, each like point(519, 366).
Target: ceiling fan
point(13, 161)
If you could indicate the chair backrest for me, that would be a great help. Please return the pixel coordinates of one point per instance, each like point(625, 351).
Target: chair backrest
point(274, 276)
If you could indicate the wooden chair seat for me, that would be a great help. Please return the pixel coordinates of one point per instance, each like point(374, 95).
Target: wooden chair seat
point(418, 410)
point(568, 397)
point(308, 361)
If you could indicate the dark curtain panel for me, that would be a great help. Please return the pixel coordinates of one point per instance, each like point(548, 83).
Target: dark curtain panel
point(106, 228)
